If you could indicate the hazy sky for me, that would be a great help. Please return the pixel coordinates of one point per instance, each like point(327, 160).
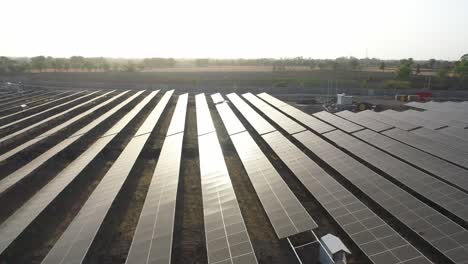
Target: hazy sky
point(420, 29)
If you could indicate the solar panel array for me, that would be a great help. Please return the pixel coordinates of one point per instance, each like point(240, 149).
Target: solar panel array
point(308, 120)
point(394, 182)
point(227, 239)
point(74, 243)
point(364, 121)
point(25, 215)
point(152, 241)
point(379, 241)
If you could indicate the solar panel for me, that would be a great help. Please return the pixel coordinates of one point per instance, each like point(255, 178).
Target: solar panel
point(231, 122)
point(440, 150)
point(437, 136)
point(11, 228)
point(455, 132)
point(58, 128)
point(308, 120)
point(24, 171)
point(338, 122)
point(217, 98)
point(21, 99)
point(289, 125)
point(435, 190)
point(178, 120)
point(43, 101)
point(377, 240)
point(74, 243)
point(450, 118)
point(152, 242)
point(227, 239)
point(432, 226)
point(47, 110)
point(204, 122)
point(364, 121)
point(43, 121)
point(255, 120)
point(286, 214)
point(432, 164)
point(402, 116)
point(387, 120)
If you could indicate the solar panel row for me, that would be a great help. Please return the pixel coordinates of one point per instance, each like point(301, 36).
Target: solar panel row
point(443, 234)
point(308, 120)
point(227, 239)
point(440, 150)
point(364, 121)
point(58, 128)
point(431, 124)
point(438, 167)
point(74, 243)
point(338, 122)
point(10, 180)
point(31, 105)
point(290, 127)
point(230, 121)
point(204, 122)
point(446, 196)
point(286, 214)
point(217, 98)
point(44, 121)
point(377, 240)
point(435, 135)
point(47, 110)
point(259, 124)
point(387, 120)
point(25, 215)
point(152, 241)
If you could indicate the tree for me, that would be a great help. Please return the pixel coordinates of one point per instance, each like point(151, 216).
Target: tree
point(461, 69)
point(432, 63)
point(404, 72)
point(77, 62)
point(354, 63)
point(382, 66)
point(38, 63)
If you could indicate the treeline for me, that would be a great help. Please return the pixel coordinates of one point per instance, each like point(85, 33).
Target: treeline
point(79, 63)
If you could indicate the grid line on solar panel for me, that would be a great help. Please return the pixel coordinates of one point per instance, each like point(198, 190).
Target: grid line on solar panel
point(177, 124)
point(74, 243)
point(431, 124)
point(43, 121)
point(256, 121)
point(440, 150)
point(47, 100)
point(57, 128)
point(217, 98)
point(231, 122)
point(446, 196)
point(387, 120)
point(287, 216)
point(364, 121)
point(224, 225)
point(47, 110)
point(11, 228)
point(338, 122)
point(154, 116)
point(429, 224)
point(435, 135)
point(289, 125)
point(429, 163)
point(24, 171)
point(306, 170)
point(368, 231)
point(152, 241)
point(204, 123)
point(306, 119)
